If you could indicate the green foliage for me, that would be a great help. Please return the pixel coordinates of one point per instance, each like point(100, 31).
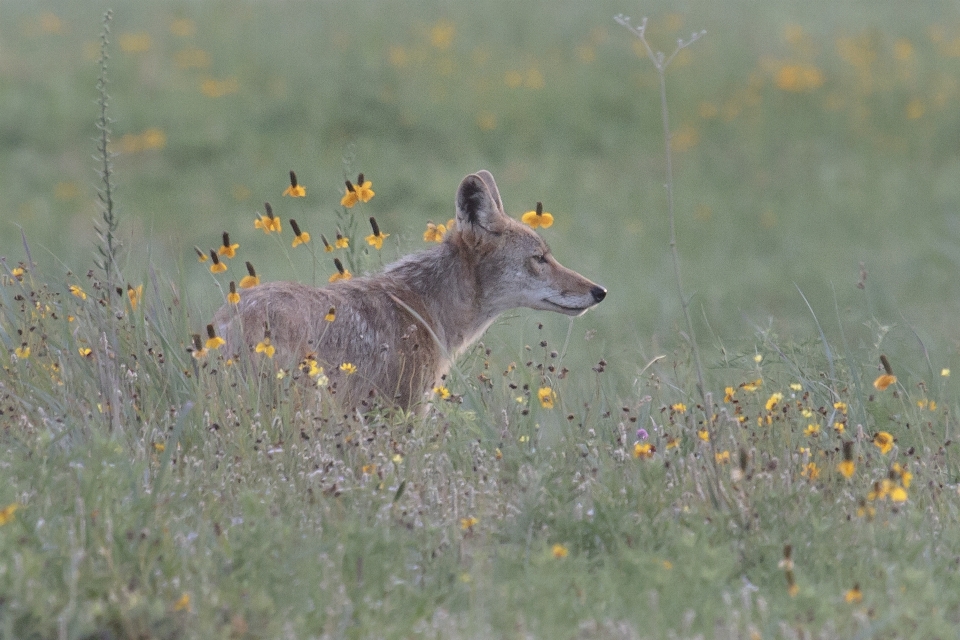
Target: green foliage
point(180, 499)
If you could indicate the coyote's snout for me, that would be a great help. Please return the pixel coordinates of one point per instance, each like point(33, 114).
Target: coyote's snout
point(403, 327)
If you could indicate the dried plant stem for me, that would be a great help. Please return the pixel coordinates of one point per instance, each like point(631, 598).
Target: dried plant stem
point(109, 245)
point(660, 63)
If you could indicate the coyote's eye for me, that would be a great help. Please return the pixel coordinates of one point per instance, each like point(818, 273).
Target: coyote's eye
point(541, 258)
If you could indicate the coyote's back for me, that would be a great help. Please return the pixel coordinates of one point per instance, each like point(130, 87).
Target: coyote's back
point(402, 328)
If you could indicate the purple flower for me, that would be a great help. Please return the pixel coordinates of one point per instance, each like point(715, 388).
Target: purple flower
point(642, 434)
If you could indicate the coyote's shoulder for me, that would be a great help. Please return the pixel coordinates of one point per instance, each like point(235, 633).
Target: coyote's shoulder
point(402, 328)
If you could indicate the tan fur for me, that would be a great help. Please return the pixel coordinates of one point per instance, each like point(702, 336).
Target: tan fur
point(403, 327)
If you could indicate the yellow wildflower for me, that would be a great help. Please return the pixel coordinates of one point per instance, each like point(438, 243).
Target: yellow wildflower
point(798, 78)
point(233, 297)
point(376, 238)
point(468, 522)
point(643, 450)
point(227, 250)
point(213, 340)
point(201, 256)
point(295, 190)
point(866, 510)
point(321, 379)
point(434, 232)
point(722, 457)
point(704, 435)
point(268, 223)
point(752, 386)
point(85, 351)
point(728, 394)
point(442, 391)
point(773, 400)
point(537, 218)
point(796, 386)
point(880, 490)
point(22, 352)
point(77, 291)
point(898, 494)
point(945, 372)
point(679, 407)
point(217, 266)
point(197, 351)
point(251, 279)
point(299, 237)
point(841, 407)
point(904, 473)
point(547, 397)
point(853, 596)
point(310, 367)
point(6, 514)
point(811, 471)
point(342, 273)
point(331, 315)
point(360, 192)
point(884, 381)
point(348, 368)
point(265, 347)
point(847, 467)
point(812, 429)
point(342, 242)
point(560, 551)
point(134, 295)
point(183, 603)
point(883, 441)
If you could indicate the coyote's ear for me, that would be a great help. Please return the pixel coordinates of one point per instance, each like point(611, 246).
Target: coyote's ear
point(476, 206)
point(488, 180)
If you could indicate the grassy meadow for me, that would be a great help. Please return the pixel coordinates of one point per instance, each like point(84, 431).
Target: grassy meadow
point(576, 483)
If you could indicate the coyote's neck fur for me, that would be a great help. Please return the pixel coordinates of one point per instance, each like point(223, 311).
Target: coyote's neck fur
point(402, 328)
point(459, 316)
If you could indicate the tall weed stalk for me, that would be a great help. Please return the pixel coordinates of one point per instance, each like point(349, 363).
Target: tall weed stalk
point(108, 247)
point(660, 62)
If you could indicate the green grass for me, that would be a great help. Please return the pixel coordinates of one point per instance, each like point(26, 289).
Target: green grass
point(161, 496)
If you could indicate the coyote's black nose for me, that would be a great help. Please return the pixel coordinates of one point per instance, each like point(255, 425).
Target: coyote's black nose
point(598, 293)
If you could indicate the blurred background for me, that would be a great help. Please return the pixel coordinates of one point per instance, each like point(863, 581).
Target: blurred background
point(816, 150)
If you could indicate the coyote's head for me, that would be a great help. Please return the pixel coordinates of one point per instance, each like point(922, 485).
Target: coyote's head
point(512, 265)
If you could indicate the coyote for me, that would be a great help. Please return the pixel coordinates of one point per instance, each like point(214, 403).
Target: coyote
point(403, 328)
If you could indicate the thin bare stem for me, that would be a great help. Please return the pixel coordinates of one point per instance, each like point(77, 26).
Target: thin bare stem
point(660, 63)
